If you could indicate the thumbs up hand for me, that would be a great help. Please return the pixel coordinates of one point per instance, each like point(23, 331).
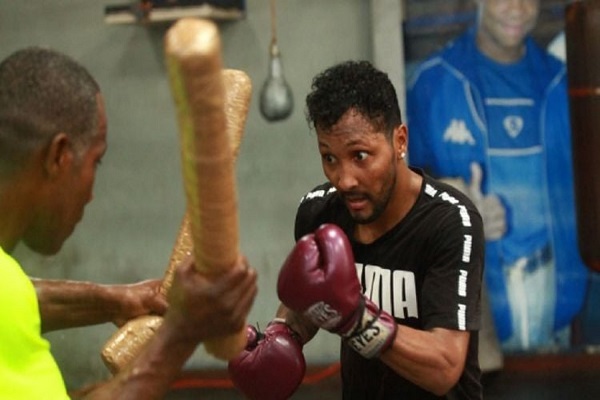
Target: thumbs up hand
point(490, 206)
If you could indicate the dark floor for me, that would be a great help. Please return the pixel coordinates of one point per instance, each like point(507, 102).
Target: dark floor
point(543, 386)
point(539, 378)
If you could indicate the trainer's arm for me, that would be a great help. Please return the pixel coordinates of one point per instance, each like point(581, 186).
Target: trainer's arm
point(433, 359)
point(199, 309)
point(67, 304)
point(149, 376)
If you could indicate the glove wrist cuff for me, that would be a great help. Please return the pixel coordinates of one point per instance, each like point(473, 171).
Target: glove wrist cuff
point(281, 321)
point(374, 333)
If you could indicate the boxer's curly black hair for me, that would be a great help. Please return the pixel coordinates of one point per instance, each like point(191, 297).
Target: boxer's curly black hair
point(357, 85)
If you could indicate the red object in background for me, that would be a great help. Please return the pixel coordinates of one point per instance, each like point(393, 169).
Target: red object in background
point(582, 33)
point(217, 380)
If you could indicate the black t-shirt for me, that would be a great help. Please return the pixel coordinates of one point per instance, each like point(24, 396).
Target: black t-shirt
point(426, 272)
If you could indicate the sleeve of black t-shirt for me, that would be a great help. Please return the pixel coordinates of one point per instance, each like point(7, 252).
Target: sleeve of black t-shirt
point(452, 286)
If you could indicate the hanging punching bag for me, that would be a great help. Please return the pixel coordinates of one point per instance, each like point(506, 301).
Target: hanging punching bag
point(276, 99)
point(582, 34)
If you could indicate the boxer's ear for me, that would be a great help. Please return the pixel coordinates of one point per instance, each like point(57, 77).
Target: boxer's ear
point(400, 140)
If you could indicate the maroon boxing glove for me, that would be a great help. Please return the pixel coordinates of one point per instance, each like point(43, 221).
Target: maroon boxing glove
point(318, 279)
point(272, 365)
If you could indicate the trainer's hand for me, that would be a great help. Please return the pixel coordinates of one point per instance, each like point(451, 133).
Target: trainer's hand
point(203, 307)
point(318, 279)
point(138, 299)
point(490, 206)
point(272, 365)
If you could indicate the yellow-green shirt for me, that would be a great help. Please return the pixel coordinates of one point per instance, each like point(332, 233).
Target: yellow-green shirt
point(27, 369)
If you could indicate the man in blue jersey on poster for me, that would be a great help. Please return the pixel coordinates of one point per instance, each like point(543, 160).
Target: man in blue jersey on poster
point(490, 111)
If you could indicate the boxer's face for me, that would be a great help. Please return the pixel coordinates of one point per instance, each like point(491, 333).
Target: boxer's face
point(361, 163)
point(69, 192)
point(503, 26)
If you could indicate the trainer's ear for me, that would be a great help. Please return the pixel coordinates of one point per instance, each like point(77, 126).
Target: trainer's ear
point(59, 154)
